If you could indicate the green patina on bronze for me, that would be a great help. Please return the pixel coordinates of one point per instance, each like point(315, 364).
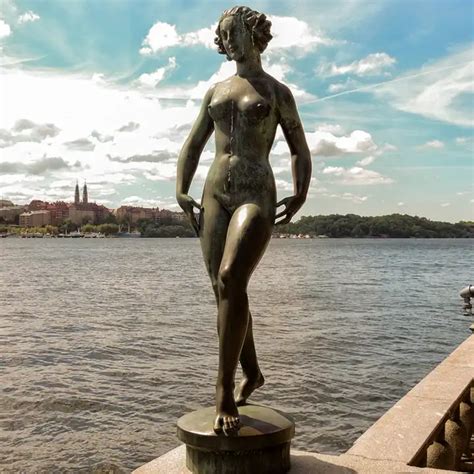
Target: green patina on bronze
point(238, 207)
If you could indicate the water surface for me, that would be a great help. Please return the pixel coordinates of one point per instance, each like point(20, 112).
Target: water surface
point(105, 343)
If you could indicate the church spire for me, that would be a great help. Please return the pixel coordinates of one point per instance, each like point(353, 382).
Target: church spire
point(77, 199)
point(84, 194)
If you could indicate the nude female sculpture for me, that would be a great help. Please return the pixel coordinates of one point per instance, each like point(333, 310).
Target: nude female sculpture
point(238, 205)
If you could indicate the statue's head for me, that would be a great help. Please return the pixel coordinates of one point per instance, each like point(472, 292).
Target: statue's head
point(241, 29)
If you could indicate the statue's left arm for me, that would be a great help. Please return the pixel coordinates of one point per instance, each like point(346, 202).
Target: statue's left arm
point(300, 156)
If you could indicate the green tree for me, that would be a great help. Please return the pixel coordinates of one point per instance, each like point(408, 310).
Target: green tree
point(108, 229)
point(88, 228)
point(67, 226)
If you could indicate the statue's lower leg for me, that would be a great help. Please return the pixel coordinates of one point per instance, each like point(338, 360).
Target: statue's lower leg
point(233, 321)
point(252, 376)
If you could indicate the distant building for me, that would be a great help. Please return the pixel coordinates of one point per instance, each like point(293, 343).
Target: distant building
point(165, 214)
point(9, 214)
point(132, 214)
point(37, 205)
point(35, 218)
point(84, 211)
point(59, 212)
point(81, 211)
point(77, 198)
point(81, 216)
point(85, 198)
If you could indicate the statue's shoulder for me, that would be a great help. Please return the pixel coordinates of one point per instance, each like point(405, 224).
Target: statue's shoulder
point(224, 82)
point(210, 92)
point(282, 91)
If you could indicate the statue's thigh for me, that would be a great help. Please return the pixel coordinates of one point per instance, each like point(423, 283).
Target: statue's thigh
point(248, 234)
point(213, 224)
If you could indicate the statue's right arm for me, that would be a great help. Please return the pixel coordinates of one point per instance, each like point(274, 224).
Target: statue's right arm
point(188, 159)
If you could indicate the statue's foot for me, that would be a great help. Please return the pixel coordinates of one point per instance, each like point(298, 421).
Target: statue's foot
point(227, 415)
point(247, 387)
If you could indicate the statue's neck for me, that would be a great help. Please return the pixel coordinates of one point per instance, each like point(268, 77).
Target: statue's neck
point(250, 66)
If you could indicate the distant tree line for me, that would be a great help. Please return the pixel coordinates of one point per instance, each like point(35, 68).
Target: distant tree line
point(393, 225)
point(334, 225)
point(165, 227)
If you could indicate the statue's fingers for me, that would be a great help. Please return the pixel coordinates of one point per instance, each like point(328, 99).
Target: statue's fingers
point(282, 213)
point(195, 204)
point(283, 201)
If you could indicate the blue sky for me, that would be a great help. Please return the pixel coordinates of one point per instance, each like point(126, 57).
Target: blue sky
point(107, 91)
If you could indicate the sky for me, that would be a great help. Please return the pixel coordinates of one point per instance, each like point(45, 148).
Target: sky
point(105, 92)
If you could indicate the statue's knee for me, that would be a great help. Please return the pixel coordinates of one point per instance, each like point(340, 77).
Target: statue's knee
point(227, 280)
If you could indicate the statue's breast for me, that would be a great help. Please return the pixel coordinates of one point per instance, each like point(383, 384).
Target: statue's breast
point(252, 108)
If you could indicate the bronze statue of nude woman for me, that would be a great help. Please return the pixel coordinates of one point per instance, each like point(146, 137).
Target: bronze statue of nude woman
point(238, 206)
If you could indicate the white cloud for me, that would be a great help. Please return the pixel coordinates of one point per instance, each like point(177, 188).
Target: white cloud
point(169, 202)
point(441, 90)
point(330, 128)
point(327, 144)
point(36, 120)
point(164, 35)
point(400, 204)
point(464, 140)
point(386, 147)
point(436, 144)
point(372, 65)
point(288, 33)
point(291, 33)
point(203, 36)
point(7, 179)
point(129, 127)
point(102, 138)
point(283, 185)
point(349, 83)
point(28, 16)
point(99, 78)
point(25, 130)
point(445, 204)
point(349, 197)
point(161, 36)
point(5, 29)
point(154, 78)
point(366, 161)
point(356, 176)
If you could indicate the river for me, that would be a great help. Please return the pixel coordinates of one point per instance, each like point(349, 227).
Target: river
point(104, 343)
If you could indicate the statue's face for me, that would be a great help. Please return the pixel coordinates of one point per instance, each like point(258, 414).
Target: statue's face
point(235, 38)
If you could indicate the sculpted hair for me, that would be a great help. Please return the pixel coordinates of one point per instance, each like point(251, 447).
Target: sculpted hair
point(255, 22)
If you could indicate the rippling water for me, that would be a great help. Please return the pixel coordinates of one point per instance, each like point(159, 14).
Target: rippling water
point(105, 343)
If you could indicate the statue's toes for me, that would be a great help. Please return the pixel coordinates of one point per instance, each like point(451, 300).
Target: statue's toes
point(231, 425)
point(218, 424)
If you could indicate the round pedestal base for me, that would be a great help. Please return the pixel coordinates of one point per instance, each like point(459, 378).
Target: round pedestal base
point(262, 444)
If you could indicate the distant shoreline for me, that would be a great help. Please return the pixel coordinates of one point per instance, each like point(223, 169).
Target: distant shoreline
point(307, 227)
point(274, 237)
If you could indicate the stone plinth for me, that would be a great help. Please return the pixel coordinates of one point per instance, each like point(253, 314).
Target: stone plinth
point(262, 444)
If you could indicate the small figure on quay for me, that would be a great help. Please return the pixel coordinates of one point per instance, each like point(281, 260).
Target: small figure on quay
point(238, 208)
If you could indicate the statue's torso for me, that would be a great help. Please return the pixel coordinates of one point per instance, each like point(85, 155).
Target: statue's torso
point(245, 119)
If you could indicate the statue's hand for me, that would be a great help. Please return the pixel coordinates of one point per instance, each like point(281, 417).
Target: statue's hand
point(292, 206)
point(187, 204)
